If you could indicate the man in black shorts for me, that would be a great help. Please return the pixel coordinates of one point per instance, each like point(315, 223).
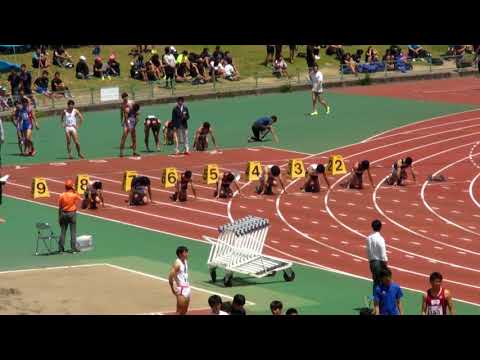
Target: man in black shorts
point(140, 192)
point(270, 178)
point(270, 53)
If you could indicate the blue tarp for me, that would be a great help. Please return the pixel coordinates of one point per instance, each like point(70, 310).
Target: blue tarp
point(6, 66)
point(17, 49)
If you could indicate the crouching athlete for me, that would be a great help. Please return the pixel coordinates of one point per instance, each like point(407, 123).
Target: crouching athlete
point(312, 182)
point(140, 192)
point(224, 189)
point(93, 195)
point(355, 179)
point(399, 172)
point(270, 179)
point(181, 187)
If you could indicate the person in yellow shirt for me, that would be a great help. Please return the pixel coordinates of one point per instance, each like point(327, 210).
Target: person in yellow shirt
point(67, 216)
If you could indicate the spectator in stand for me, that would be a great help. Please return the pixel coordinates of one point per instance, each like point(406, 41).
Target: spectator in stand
point(459, 53)
point(278, 51)
point(389, 60)
point(280, 67)
point(81, 70)
point(218, 53)
point(376, 252)
point(113, 66)
point(202, 73)
point(226, 307)
point(371, 56)
point(292, 49)
point(270, 52)
point(357, 57)
point(291, 311)
point(349, 63)
point(215, 303)
point(40, 59)
point(36, 59)
point(387, 296)
point(26, 81)
point(276, 307)
point(4, 105)
point(227, 56)
point(41, 84)
point(157, 64)
point(58, 87)
point(238, 305)
point(205, 57)
point(150, 71)
point(417, 51)
point(395, 50)
point(169, 66)
point(98, 68)
point(139, 69)
point(14, 81)
point(216, 68)
point(230, 71)
point(62, 58)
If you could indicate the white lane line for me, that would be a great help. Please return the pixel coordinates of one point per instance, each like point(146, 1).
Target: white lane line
point(409, 215)
point(285, 229)
point(409, 256)
point(361, 219)
point(350, 204)
point(440, 197)
point(395, 238)
point(415, 204)
point(476, 215)
point(465, 239)
point(344, 242)
point(336, 255)
point(313, 250)
point(294, 246)
point(415, 243)
point(389, 211)
point(455, 212)
point(260, 210)
point(314, 222)
point(323, 211)
point(315, 196)
point(435, 208)
point(461, 252)
point(423, 231)
point(295, 218)
point(470, 190)
point(444, 235)
point(287, 203)
point(333, 200)
point(357, 260)
point(274, 241)
point(472, 227)
point(438, 247)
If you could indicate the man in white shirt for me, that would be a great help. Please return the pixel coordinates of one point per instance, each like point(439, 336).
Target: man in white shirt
point(230, 72)
point(316, 78)
point(170, 65)
point(376, 252)
point(215, 303)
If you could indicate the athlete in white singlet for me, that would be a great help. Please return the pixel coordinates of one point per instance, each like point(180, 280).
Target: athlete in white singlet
point(178, 280)
point(129, 122)
point(69, 122)
point(316, 78)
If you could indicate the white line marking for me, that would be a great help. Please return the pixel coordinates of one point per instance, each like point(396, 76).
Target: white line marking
point(341, 214)
point(350, 204)
point(344, 242)
point(314, 222)
point(294, 246)
point(414, 243)
point(323, 237)
point(287, 203)
point(472, 227)
point(396, 201)
point(242, 207)
point(336, 255)
point(423, 231)
point(389, 211)
point(303, 207)
point(285, 229)
point(334, 226)
point(274, 241)
point(461, 253)
point(395, 238)
point(438, 247)
point(429, 219)
point(361, 219)
point(461, 201)
point(409, 215)
point(357, 260)
point(409, 256)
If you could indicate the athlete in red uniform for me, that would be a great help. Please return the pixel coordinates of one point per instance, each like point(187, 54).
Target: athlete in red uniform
point(355, 180)
point(437, 299)
point(181, 187)
point(168, 138)
point(223, 189)
point(312, 182)
point(152, 123)
point(399, 172)
point(201, 141)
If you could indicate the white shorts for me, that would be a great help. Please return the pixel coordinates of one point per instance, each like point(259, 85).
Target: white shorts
point(317, 91)
point(70, 130)
point(185, 291)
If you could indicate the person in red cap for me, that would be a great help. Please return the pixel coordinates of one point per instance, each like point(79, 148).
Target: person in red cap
point(113, 66)
point(98, 70)
point(67, 215)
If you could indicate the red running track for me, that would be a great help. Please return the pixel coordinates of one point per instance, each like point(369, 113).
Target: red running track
point(327, 230)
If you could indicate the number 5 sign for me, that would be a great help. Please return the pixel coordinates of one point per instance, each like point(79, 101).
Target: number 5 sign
point(39, 188)
point(169, 177)
point(336, 165)
point(210, 174)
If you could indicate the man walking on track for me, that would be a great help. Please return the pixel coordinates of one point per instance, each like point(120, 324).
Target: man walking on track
point(180, 116)
point(69, 122)
point(316, 78)
point(437, 299)
point(178, 280)
point(261, 127)
point(376, 252)
point(67, 216)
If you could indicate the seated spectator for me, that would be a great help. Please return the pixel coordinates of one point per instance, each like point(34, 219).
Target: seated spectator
point(226, 307)
point(395, 50)
point(280, 67)
point(41, 84)
point(371, 56)
point(150, 71)
point(276, 307)
point(62, 58)
point(81, 70)
point(202, 77)
point(157, 64)
point(96, 51)
point(227, 56)
point(216, 68)
point(389, 60)
point(98, 68)
point(205, 57)
point(459, 53)
point(357, 57)
point(14, 81)
point(337, 50)
point(138, 69)
point(215, 303)
point(36, 59)
point(182, 58)
point(417, 51)
point(348, 63)
point(58, 87)
point(230, 71)
point(291, 311)
point(238, 305)
point(218, 53)
point(113, 66)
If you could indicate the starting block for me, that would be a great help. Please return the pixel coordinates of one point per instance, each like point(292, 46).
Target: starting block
point(127, 180)
point(81, 184)
point(39, 188)
point(336, 166)
point(254, 170)
point(169, 177)
point(210, 174)
point(296, 169)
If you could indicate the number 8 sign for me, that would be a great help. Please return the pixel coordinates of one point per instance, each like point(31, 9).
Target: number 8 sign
point(81, 183)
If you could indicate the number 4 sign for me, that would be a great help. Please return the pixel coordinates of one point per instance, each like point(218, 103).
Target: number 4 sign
point(336, 165)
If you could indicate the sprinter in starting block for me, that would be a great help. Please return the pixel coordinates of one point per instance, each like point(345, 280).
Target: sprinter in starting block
point(141, 191)
point(312, 182)
point(270, 178)
point(201, 137)
point(181, 187)
point(93, 195)
point(399, 172)
point(355, 179)
point(224, 186)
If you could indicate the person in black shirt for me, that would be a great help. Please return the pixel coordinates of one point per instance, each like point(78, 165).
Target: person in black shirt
point(113, 66)
point(310, 57)
point(181, 187)
point(238, 304)
point(14, 81)
point(98, 70)
point(270, 52)
point(180, 116)
point(26, 83)
point(140, 188)
point(41, 85)
point(218, 53)
point(278, 50)
point(82, 71)
point(58, 87)
point(62, 58)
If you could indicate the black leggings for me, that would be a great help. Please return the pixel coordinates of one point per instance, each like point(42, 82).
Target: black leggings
point(256, 132)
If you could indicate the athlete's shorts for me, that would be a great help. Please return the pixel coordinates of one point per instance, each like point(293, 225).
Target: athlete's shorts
point(202, 144)
point(180, 196)
point(313, 186)
point(356, 181)
point(225, 192)
point(392, 179)
point(185, 291)
point(153, 124)
point(139, 194)
point(70, 129)
point(26, 126)
point(130, 124)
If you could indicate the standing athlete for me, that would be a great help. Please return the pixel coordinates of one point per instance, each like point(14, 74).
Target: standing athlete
point(152, 123)
point(69, 122)
point(437, 299)
point(129, 124)
point(178, 280)
point(27, 120)
point(316, 78)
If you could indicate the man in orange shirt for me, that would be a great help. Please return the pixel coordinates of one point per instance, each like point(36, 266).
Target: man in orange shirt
point(67, 215)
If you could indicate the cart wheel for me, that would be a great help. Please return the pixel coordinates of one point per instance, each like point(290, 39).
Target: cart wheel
point(272, 274)
point(213, 275)
point(227, 280)
point(288, 276)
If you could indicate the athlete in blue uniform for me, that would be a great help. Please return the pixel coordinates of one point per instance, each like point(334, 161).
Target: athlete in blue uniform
point(25, 121)
point(262, 127)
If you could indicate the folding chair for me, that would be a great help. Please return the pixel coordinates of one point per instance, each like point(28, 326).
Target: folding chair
point(46, 235)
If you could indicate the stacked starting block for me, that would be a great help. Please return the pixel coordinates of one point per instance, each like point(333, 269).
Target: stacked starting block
point(238, 249)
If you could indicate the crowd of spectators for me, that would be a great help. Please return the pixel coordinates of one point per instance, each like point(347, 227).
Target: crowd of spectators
point(237, 306)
